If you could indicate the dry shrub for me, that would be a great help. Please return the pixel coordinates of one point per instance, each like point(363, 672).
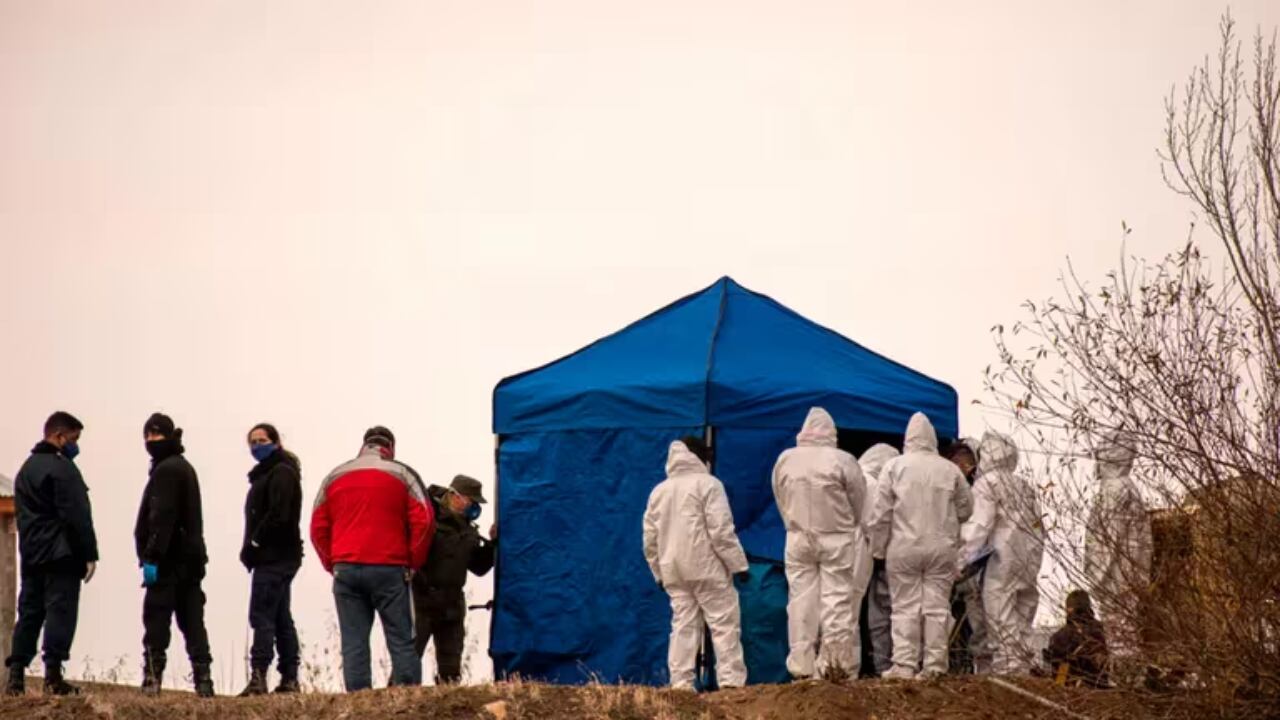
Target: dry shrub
point(1181, 363)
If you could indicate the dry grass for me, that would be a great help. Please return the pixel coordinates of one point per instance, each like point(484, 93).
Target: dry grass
point(954, 698)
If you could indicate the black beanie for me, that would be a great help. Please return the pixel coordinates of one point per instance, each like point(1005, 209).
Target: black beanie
point(159, 424)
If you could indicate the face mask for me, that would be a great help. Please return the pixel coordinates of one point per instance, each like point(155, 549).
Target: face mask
point(473, 512)
point(70, 450)
point(262, 452)
point(157, 448)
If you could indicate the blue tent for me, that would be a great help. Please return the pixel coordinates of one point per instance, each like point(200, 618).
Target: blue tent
point(583, 440)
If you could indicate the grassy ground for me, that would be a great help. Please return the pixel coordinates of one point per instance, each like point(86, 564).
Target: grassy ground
point(956, 698)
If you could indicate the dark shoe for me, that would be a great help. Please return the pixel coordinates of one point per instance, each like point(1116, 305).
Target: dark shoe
point(17, 685)
point(152, 674)
point(289, 685)
point(55, 685)
point(202, 678)
point(257, 684)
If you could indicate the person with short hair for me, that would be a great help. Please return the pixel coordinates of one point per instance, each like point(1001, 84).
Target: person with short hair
point(59, 550)
point(371, 526)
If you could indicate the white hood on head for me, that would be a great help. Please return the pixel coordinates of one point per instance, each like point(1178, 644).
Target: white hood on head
point(682, 461)
point(997, 452)
point(920, 437)
point(875, 458)
point(1114, 456)
point(819, 430)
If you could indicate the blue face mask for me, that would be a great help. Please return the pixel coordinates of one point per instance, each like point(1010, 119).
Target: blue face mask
point(262, 452)
point(70, 450)
point(473, 512)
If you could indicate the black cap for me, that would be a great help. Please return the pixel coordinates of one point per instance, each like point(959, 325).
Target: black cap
point(468, 487)
point(159, 424)
point(379, 435)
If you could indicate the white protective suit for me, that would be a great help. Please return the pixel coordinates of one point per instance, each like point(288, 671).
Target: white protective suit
point(1006, 520)
point(921, 501)
point(819, 490)
point(693, 551)
point(1117, 546)
point(878, 603)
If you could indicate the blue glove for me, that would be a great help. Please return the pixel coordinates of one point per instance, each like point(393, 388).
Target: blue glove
point(150, 574)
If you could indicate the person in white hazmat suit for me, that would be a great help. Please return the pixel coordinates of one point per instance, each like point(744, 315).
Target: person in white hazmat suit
point(964, 454)
point(1006, 522)
point(921, 500)
point(820, 491)
point(1117, 544)
point(878, 603)
point(694, 554)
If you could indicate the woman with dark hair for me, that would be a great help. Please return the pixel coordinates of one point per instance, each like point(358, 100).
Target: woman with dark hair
point(272, 551)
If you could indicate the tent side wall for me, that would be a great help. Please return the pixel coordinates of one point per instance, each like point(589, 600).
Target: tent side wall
point(576, 601)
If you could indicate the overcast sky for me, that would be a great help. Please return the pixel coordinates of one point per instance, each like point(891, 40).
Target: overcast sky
point(331, 215)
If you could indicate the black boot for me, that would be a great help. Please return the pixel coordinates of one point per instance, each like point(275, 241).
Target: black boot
point(17, 685)
point(152, 673)
point(289, 682)
point(54, 684)
point(202, 678)
point(257, 684)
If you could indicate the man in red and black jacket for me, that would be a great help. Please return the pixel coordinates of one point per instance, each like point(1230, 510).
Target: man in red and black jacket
point(371, 526)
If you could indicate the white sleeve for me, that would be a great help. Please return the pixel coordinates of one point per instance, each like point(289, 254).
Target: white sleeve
point(651, 537)
point(724, 541)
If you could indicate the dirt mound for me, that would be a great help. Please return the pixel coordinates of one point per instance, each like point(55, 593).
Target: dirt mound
point(949, 698)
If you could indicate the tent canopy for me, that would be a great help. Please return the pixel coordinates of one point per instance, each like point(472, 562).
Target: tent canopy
point(584, 440)
point(722, 357)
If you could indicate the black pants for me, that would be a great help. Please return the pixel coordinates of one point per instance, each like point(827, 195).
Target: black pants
point(49, 599)
point(271, 617)
point(440, 614)
point(175, 594)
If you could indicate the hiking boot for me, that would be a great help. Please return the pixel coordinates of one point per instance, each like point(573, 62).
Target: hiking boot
point(152, 675)
point(55, 685)
point(17, 685)
point(202, 678)
point(257, 684)
point(289, 684)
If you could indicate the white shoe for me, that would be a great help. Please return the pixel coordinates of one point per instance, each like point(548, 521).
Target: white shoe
point(899, 673)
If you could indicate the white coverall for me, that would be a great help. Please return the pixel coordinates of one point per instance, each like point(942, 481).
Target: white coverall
point(693, 552)
point(878, 604)
point(921, 501)
point(1007, 520)
point(1117, 545)
point(819, 490)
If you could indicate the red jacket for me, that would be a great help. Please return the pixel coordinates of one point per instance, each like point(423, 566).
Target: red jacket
point(372, 511)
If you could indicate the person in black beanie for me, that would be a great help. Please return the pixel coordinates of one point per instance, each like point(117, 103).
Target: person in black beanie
point(272, 551)
point(170, 541)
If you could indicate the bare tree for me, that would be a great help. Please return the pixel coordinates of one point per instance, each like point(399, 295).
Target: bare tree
point(1182, 361)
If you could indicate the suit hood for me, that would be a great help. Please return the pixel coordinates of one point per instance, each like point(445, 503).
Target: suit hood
point(997, 452)
point(876, 457)
point(920, 437)
point(819, 430)
point(682, 461)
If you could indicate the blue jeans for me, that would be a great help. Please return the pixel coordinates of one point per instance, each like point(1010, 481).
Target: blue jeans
point(360, 591)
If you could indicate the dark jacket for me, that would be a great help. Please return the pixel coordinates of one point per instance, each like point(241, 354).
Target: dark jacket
point(55, 521)
point(272, 512)
point(170, 528)
point(456, 549)
point(1082, 645)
